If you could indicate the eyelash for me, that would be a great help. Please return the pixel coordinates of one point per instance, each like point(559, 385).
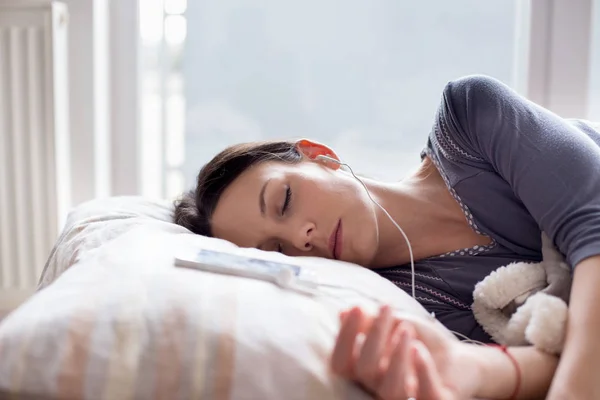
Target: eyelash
point(286, 203)
point(286, 206)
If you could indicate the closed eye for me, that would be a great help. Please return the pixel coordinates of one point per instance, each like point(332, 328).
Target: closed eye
point(286, 203)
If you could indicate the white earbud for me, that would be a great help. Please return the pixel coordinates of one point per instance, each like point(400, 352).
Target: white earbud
point(322, 157)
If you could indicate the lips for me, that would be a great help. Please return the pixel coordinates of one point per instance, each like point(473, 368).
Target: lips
point(335, 241)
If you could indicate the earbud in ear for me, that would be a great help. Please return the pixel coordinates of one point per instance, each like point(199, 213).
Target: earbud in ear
point(327, 159)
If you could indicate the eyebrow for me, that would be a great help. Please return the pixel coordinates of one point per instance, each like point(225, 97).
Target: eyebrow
point(261, 198)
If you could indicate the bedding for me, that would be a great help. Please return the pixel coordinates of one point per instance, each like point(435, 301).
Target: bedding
point(113, 318)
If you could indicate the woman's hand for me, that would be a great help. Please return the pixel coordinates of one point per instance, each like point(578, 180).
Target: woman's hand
point(402, 358)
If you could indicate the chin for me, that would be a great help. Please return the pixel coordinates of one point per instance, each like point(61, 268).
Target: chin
point(361, 239)
point(361, 261)
point(363, 253)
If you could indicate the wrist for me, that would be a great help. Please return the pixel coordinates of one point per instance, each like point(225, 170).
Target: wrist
point(475, 368)
point(495, 373)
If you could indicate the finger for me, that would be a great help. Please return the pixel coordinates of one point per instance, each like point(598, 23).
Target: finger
point(429, 381)
point(366, 326)
point(343, 315)
point(344, 354)
point(393, 336)
point(369, 320)
point(369, 361)
point(399, 378)
point(392, 341)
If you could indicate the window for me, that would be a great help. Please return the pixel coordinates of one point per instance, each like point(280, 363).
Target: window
point(594, 92)
point(362, 77)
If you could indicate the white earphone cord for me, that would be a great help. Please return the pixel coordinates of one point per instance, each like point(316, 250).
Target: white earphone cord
point(412, 260)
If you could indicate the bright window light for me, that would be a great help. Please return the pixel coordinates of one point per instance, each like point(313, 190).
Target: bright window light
point(175, 7)
point(175, 29)
point(151, 22)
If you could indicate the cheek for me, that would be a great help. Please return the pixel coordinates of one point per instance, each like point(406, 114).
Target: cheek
point(322, 195)
point(322, 198)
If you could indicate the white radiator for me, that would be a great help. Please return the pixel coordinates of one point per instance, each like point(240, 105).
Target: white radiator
point(34, 151)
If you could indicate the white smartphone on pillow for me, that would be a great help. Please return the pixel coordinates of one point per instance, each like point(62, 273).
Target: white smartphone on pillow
point(228, 263)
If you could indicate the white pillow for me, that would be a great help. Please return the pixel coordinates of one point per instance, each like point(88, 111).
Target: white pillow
point(115, 319)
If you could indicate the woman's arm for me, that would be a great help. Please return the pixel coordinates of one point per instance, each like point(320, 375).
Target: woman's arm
point(577, 374)
point(499, 376)
point(401, 357)
point(553, 168)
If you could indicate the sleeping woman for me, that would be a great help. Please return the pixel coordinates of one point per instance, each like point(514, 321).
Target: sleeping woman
point(496, 170)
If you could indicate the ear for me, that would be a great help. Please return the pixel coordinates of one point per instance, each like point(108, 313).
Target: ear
point(311, 150)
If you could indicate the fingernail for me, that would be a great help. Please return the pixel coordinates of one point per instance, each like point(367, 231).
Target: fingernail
point(355, 313)
point(350, 311)
point(396, 338)
point(403, 333)
point(384, 312)
point(410, 329)
point(411, 389)
point(415, 351)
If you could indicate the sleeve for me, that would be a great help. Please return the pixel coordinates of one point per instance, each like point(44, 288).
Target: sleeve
point(552, 166)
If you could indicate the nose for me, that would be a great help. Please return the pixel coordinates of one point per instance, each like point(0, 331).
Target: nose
point(304, 237)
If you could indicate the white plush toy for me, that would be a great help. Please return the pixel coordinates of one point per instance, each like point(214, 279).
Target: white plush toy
point(526, 303)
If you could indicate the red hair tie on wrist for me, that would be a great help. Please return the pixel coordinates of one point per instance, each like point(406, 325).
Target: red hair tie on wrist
point(517, 369)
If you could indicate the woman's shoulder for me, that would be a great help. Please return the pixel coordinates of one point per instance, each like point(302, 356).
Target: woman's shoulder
point(447, 145)
point(590, 128)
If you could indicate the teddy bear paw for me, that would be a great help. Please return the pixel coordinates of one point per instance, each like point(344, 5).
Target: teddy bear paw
point(547, 324)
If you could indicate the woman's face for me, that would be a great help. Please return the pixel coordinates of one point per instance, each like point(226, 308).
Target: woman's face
point(303, 209)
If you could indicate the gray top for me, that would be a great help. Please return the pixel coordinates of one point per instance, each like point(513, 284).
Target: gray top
point(513, 167)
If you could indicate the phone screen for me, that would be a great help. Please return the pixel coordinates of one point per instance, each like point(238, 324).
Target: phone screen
point(245, 263)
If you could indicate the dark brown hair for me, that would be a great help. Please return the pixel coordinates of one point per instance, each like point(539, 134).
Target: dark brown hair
point(195, 208)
